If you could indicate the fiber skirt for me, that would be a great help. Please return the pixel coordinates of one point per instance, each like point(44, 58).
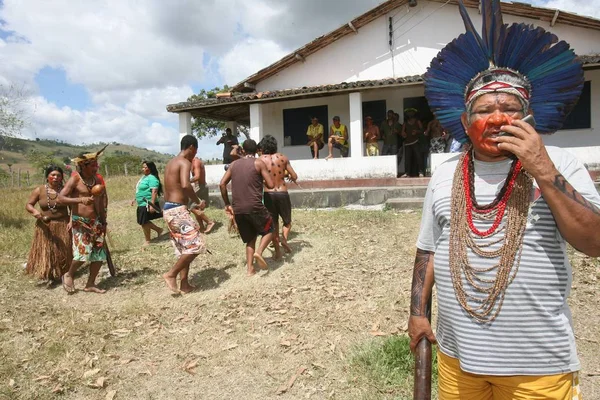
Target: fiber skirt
point(51, 252)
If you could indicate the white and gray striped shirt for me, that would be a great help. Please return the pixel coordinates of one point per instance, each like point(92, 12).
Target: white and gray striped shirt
point(532, 334)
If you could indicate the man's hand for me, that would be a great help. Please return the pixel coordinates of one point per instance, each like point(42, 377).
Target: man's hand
point(132, 202)
point(419, 327)
point(229, 210)
point(87, 200)
point(527, 145)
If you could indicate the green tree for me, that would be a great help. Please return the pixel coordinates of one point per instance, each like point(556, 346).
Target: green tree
point(40, 159)
point(12, 110)
point(206, 127)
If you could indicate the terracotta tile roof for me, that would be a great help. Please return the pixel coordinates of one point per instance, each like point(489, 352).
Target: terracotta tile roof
point(520, 10)
point(306, 91)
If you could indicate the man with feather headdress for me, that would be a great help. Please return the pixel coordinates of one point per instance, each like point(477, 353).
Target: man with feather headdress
point(497, 217)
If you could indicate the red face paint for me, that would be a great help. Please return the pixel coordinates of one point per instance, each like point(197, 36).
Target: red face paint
point(483, 130)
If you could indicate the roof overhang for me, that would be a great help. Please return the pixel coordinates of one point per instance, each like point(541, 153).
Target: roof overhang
point(237, 107)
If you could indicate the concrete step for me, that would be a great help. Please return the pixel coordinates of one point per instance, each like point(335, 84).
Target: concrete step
point(405, 203)
point(340, 197)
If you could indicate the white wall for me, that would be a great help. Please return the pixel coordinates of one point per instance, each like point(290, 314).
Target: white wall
point(419, 34)
point(337, 168)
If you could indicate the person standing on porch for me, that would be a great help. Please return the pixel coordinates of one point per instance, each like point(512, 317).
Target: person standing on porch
point(390, 131)
point(412, 130)
point(497, 217)
point(371, 137)
point(338, 138)
point(315, 137)
point(252, 217)
point(228, 140)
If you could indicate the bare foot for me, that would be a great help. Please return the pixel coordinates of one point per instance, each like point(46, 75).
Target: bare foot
point(68, 284)
point(328, 157)
point(251, 272)
point(146, 244)
point(262, 264)
point(277, 255)
point(187, 288)
point(209, 226)
point(159, 232)
point(93, 289)
point(171, 283)
point(286, 246)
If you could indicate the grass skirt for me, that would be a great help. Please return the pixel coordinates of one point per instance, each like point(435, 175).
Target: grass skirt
point(51, 252)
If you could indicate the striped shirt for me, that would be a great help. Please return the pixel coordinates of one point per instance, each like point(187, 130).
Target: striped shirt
point(533, 333)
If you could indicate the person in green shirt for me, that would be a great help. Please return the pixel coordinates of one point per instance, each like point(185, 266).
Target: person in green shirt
point(390, 132)
point(147, 191)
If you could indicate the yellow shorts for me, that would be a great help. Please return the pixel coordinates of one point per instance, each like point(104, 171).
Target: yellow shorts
point(454, 383)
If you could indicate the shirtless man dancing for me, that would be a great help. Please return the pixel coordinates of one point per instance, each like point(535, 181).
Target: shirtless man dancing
point(198, 180)
point(277, 200)
point(252, 217)
point(186, 236)
point(88, 221)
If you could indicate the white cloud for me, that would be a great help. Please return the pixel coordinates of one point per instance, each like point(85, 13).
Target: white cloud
point(248, 57)
point(581, 7)
point(104, 45)
point(106, 123)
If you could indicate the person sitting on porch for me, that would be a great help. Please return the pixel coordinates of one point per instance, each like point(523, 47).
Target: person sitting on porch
point(338, 138)
point(371, 137)
point(412, 130)
point(390, 130)
point(315, 137)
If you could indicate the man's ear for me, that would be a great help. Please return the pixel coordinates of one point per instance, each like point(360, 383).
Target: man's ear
point(463, 119)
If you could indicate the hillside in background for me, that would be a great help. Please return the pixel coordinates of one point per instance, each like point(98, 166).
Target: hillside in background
point(15, 153)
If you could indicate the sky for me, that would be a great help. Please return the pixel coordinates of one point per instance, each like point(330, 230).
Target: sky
point(104, 70)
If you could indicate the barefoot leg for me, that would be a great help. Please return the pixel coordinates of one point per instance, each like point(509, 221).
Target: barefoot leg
point(171, 276)
point(91, 283)
point(284, 239)
point(264, 242)
point(250, 246)
point(68, 277)
point(184, 284)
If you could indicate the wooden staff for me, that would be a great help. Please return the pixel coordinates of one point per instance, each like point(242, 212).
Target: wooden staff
point(422, 376)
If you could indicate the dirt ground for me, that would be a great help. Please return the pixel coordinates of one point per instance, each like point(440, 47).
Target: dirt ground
point(285, 334)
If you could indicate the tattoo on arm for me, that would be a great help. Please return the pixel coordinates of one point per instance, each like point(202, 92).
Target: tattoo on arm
point(419, 272)
point(561, 184)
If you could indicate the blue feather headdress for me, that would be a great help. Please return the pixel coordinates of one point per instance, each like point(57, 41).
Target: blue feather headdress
point(550, 70)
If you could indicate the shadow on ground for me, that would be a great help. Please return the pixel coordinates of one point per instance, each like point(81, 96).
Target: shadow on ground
point(211, 278)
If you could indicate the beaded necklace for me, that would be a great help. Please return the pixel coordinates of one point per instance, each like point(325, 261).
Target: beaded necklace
point(90, 186)
point(484, 301)
point(51, 207)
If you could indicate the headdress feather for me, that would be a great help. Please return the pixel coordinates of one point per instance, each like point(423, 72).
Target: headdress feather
point(549, 65)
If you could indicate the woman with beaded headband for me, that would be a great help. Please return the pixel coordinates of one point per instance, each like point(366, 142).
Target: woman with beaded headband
point(497, 217)
point(50, 254)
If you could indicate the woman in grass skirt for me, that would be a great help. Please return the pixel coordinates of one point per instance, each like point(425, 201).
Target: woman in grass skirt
point(51, 252)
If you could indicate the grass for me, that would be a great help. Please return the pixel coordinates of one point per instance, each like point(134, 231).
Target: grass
point(387, 365)
point(235, 337)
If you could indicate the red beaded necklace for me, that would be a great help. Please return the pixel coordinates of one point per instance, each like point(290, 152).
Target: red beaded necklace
point(498, 205)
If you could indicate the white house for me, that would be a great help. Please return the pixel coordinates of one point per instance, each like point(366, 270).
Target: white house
point(374, 63)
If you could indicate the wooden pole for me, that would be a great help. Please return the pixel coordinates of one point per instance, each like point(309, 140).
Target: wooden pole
point(106, 169)
point(28, 183)
point(12, 178)
point(125, 169)
point(422, 377)
point(19, 177)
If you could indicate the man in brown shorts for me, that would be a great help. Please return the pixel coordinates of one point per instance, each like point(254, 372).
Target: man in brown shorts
point(185, 231)
point(246, 175)
point(277, 200)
